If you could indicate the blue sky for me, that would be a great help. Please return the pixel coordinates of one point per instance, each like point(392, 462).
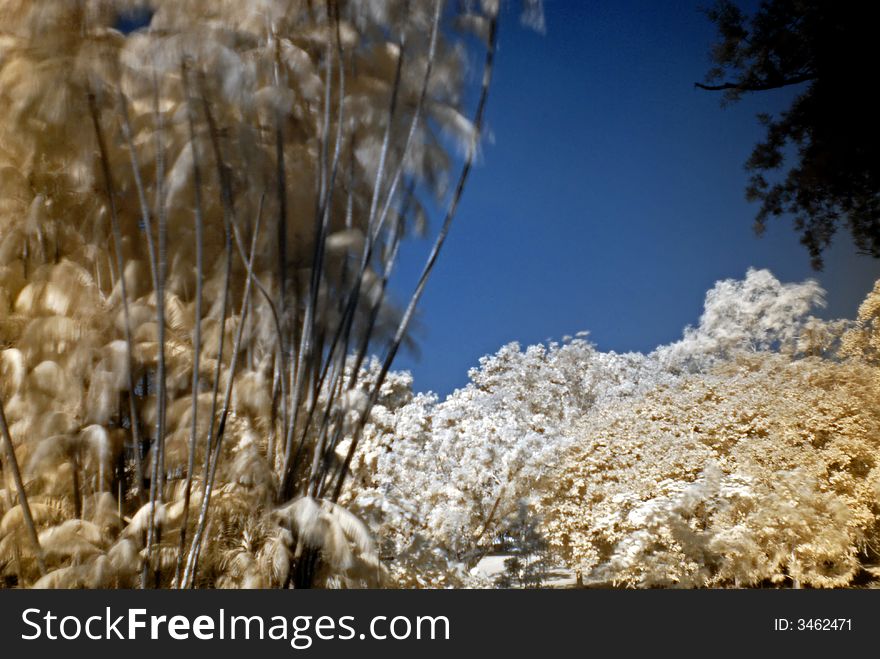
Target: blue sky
point(609, 198)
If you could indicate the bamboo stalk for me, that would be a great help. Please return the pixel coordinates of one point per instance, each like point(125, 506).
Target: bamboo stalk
point(197, 330)
point(343, 333)
point(123, 289)
point(12, 465)
point(403, 326)
point(157, 276)
point(347, 319)
point(322, 222)
point(192, 559)
point(228, 223)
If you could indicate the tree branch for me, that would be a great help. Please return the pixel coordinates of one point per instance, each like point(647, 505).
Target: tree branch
point(759, 87)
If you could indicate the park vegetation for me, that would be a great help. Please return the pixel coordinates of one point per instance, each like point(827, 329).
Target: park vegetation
point(198, 223)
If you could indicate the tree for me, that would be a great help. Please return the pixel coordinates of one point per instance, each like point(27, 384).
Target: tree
point(862, 341)
point(763, 469)
point(824, 50)
point(743, 452)
point(756, 313)
point(442, 483)
point(753, 464)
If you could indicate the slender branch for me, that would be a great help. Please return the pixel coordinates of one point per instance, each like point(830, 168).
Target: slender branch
point(162, 219)
point(417, 114)
point(348, 315)
point(276, 318)
point(757, 86)
point(339, 343)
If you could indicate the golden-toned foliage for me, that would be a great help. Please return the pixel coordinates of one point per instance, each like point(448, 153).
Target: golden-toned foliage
point(198, 219)
point(765, 469)
point(863, 340)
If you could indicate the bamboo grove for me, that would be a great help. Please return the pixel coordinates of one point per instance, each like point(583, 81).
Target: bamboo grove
point(198, 223)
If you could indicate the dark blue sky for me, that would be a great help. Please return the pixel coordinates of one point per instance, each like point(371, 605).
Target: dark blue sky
point(610, 197)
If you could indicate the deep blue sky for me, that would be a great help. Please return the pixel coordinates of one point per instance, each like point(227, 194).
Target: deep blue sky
point(610, 197)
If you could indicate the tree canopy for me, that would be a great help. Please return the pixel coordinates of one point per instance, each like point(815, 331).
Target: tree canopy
point(818, 161)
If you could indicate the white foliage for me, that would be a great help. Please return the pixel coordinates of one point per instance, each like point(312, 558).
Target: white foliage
point(756, 313)
point(439, 480)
